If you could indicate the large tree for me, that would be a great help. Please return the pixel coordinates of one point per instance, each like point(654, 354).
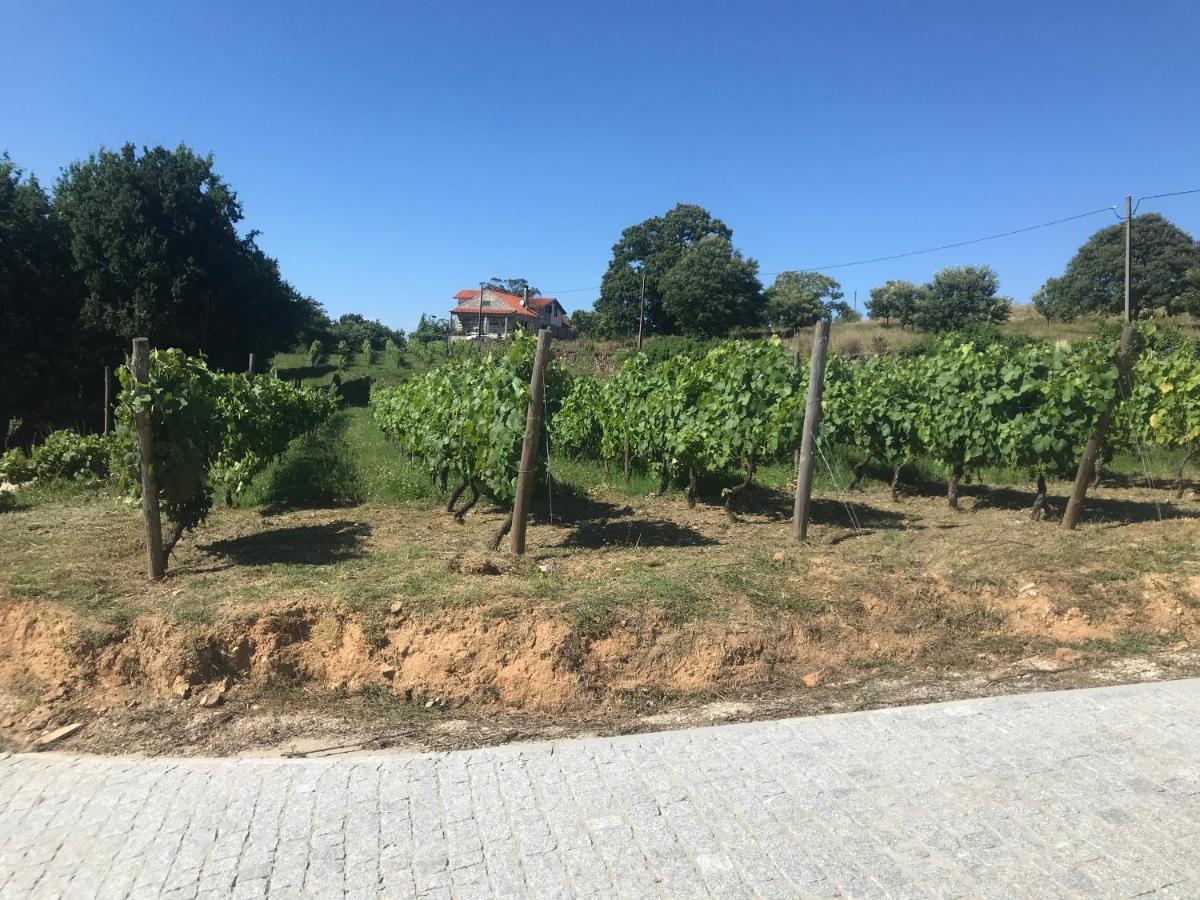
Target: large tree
point(799, 299)
point(960, 296)
point(154, 238)
point(652, 247)
point(1162, 254)
point(895, 299)
point(711, 289)
point(516, 286)
point(43, 357)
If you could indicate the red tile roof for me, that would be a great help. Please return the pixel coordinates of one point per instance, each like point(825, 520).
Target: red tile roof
point(512, 300)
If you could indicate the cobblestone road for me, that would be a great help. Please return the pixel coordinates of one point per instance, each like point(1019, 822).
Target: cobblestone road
point(1091, 793)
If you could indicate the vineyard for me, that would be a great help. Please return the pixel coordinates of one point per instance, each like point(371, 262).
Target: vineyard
point(1029, 407)
point(333, 566)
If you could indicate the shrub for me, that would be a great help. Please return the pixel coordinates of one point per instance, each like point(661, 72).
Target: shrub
point(316, 353)
point(15, 467)
point(67, 456)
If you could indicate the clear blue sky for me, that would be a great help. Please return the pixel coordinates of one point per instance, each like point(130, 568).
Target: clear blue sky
point(393, 153)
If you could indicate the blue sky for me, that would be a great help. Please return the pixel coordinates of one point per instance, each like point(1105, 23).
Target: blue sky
point(393, 153)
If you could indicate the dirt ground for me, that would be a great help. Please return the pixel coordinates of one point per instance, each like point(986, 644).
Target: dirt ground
point(352, 629)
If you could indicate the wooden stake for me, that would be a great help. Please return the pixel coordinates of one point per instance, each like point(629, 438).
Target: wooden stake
point(529, 446)
point(1087, 464)
point(250, 368)
point(107, 399)
point(812, 424)
point(156, 561)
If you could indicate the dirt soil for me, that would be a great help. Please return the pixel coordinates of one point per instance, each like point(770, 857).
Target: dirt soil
point(347, 630)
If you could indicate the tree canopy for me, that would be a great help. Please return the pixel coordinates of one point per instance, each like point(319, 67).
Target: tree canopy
point(132, 243)
point(40, 346)
point(430, 328)
point(154, 238)
point(1165, 274)
point(711, 289)
point(961, 296)
point(895, 299)
point(654, 247)
point(354, 329)
point(515, 286)
point(799, 299)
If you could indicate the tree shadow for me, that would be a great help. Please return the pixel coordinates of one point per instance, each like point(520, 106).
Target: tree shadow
point(567, 506)
point(311, 545)
point(633, 532)
point(846, 512)
point(356, 391)
point(306, 372)
point(1095, 509)
point(843, 510)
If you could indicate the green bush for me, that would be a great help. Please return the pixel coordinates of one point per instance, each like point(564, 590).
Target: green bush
point(15, 467)
point(67, 456)
point(316, 470)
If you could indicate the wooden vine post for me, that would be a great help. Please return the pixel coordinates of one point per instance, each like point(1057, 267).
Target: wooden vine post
point(1087, 465)
point(529, 446)
point(250, 367)
point(107, 399)
point(156, 560)
point(812, 424)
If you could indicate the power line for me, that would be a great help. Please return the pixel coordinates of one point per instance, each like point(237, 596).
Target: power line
point(1171, 194)
point(978, 240)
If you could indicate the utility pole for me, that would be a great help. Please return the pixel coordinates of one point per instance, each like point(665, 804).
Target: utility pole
point(1128, 255)
point(479, 324)
point(642, 309)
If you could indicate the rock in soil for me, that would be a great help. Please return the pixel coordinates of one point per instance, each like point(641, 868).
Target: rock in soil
point(812, 679)
point(59, 734)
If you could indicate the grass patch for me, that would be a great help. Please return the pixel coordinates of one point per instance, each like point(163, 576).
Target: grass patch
point(590, 475)
point(316, 470)
point(385, 474)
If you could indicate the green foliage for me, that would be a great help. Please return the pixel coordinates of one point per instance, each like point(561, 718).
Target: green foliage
point(41, 347)
point(464, 420)
point(15, 467)
point(895, 300)
point(1166, 261)
point(260, 416)
point(577, 430)
point(357, 331)
point(345, 356)
point(316, 353)
point(960, 296)
point(875, 406)
point(431, 329)
point(750, 403)
point(180, 399)
point(662, 347)
point(209, 429)
point(1163, 409)
point(67, 456)
point(652, 248)
point(798, 299)
point(712, 289)
point(315, 470)
point(368, 352)
point(518, 287)
point(392, 353)
point(154, 236)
